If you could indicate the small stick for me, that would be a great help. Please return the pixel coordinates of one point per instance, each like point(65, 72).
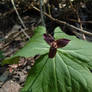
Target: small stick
point(11, 40)
point(42, 15)
point(20, 20)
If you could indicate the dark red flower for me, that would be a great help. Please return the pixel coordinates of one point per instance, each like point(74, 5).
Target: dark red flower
point(48, 38)
point(60, 43)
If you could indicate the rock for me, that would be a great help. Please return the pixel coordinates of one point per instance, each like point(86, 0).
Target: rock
point(10, 86)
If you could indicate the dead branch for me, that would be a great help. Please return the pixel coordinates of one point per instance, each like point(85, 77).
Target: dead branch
point(20, 20)
point(64, 23)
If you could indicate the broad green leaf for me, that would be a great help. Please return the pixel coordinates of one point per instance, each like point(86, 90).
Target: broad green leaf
point(60, 34)
point(12, 60)
point(36, 45)
point(76, 48)
point(60, 74)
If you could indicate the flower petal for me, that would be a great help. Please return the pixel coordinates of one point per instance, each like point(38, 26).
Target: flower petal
point(48, 38)
point(62, 43)
point(52, 52)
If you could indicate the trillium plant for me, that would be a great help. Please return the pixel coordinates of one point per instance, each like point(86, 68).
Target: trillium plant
point(64, 65)
point(60, 43)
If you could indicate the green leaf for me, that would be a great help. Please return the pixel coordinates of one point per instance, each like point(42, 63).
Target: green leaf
point(12, 60)
point(60, 74)
point(76, 48)
point(60, 34)
point(36, 45)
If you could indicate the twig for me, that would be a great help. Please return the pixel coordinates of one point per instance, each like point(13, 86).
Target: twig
point(20, 20)
point(64, 23)
point(11, 40)
point(42, 15)
point(73, 20)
